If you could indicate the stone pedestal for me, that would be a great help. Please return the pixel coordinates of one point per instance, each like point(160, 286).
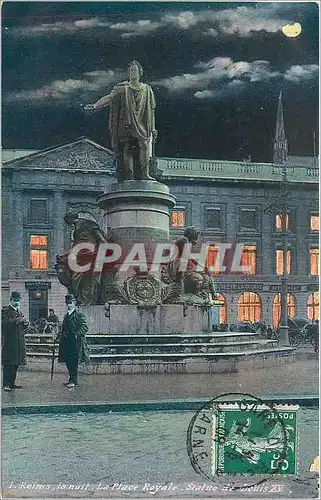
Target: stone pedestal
point(215, 314)
point(137, 212)
point(131, 319)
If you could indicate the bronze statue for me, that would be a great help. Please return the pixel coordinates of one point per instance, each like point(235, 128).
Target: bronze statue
point(85, 286)
point(131, 124)
point(193, 282)
point(191, 236)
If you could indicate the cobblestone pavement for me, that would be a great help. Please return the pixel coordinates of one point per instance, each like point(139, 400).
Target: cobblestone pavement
point(103, 455)
point(107, 454)
point(298, 379)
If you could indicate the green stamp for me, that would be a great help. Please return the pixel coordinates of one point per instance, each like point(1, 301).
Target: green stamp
point(255, 439)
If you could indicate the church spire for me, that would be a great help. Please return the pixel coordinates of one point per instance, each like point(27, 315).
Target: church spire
point(280, 149)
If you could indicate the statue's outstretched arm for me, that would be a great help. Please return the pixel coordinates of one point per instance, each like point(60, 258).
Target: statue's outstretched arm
point(103, 102)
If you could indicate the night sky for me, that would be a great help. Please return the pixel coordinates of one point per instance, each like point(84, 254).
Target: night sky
point(216, 70)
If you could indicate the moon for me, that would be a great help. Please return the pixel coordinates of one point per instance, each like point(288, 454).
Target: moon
point(292, 30)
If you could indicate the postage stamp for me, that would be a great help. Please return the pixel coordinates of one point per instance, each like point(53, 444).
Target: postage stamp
point(254, 440)
point(242, 435)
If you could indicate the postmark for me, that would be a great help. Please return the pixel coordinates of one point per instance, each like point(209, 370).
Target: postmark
point(241, 435)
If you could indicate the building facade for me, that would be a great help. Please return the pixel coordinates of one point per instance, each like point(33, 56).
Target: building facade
point(240, 203)
point(231, 202)
point(37, 191)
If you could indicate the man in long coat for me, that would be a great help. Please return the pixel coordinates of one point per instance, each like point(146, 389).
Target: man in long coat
point(14, 325)
point(73, 347)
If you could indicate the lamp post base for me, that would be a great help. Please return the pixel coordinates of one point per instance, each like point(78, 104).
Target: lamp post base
point(284, 336)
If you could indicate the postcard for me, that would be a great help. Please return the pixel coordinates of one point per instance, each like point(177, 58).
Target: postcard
point(160, 249)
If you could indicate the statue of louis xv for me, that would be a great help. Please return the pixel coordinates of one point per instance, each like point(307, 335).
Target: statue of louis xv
point(131, 124)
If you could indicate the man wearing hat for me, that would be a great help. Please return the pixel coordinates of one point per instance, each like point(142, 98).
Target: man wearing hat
point(73, 347)
point(14, 325)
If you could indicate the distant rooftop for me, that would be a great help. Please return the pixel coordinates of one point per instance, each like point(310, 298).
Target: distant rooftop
point(299, 169)
point(84, 154)
point(13, 154)
point(302, 161)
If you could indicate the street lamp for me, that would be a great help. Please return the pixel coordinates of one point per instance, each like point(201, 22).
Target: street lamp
point(280, 155)
point(284, 327)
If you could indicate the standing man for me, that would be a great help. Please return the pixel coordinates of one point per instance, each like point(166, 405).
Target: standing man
point(73, 347)
point(14, 325)
point(131, 124)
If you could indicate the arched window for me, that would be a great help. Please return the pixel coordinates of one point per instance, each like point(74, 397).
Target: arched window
point(313, 306)
point(249, 307)
point(277, 308)
point(223, 309)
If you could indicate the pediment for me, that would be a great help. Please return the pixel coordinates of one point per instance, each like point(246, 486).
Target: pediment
point(81, 155)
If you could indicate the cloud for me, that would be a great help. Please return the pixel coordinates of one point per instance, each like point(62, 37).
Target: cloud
point(298, 73)
point(236, 84)
point(69, 88)
point(133, 28)
point(138, 28)
point(211, 32)
point(214, 79)
point(59, 27)
point(204, 94)
point(221, 76)
point(242, 21)
point(217, 70)
point(183, 20)
point(245, 20)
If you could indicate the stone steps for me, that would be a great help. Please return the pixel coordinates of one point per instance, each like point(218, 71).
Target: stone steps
point(224, 362)
point(175, 355)
point(207, 355)
point(213, 352)
point(107, 346)
point(150, 339)
point(183, 348)
point(271, 343)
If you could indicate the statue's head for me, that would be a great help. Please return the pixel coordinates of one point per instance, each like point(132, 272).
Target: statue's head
point(70, 218)
point(194, 282)
point(135, 70)
point(192, 234)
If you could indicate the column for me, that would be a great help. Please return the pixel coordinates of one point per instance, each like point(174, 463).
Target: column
point(21, 245)
point(231, 299)
point(58, 224)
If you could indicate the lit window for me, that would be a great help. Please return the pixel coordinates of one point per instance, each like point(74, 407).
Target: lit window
point(178, 218)
point(278, 221)
point(39, 252)
point(249, 307)
point(277, 308)
point(212, 260)
point(314, 223)
point(248, 259)
point(279, 262)
point(314, 261)
point(313, 306)
point(223, 308)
